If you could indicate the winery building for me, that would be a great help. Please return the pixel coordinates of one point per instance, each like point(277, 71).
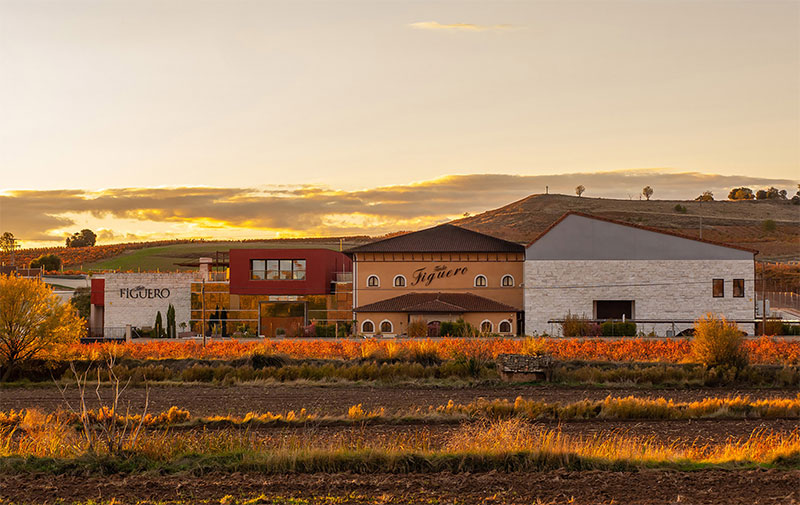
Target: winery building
point(269, 292)
point(439, 274)
point(601, 269)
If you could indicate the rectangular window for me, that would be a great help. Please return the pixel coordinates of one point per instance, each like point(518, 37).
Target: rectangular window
point(258, 270)
point(719, 288)
point(274, 270)
point(299, 270)
point(738, 288)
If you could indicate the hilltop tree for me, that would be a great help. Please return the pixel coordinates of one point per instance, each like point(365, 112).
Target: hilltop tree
point(741, 194)
point(32, 319)
point(579, 190)
point(50, 262)
point(772, 193)
point(707, 196)
point(647, 191)
point(7, 241)
point(83, 238)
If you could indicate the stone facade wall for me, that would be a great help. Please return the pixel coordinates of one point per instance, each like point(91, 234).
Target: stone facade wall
point(661, 289)
point(138, 307)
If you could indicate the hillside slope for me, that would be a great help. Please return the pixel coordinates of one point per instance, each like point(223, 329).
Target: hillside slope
point(732, 222)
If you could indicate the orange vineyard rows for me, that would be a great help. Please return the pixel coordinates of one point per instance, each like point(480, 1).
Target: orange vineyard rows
point(764, 350)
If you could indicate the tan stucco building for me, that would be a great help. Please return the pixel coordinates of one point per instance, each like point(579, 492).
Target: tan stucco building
point(435, 275)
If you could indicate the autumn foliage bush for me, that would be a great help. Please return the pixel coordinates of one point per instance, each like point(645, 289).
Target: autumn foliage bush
point(764, 350)
point(718, 341)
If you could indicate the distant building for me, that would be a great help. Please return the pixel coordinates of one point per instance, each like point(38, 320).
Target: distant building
point(604, 269)
point(435, 275)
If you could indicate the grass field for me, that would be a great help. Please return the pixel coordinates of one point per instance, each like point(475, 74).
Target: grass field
point(167, 258)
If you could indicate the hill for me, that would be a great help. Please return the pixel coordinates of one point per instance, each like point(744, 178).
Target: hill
point(164, 255)
point(739, 222)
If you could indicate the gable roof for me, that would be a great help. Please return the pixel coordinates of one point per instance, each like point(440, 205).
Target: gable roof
point(611, 243)
point(437, 303)
point(442, 238)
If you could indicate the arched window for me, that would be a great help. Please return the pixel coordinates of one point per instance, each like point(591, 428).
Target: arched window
point(505, 327)
point(373, 281)
point(507, 281)
point(386, 326)
point(480, 281)
point(486, 326)
point(399, 281)
point(367, 327)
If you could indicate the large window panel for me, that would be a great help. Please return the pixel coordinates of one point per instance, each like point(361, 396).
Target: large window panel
point(299, 270)
point(272, 270)
point(257, 269)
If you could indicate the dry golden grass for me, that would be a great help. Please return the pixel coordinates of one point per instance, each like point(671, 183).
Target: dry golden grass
point(508, 444)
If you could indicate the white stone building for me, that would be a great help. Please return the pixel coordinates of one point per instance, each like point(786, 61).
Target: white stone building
point(604, 269)
point(120, 299)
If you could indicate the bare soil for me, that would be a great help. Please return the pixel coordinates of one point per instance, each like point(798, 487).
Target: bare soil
point(206, 400)
point(646, 487)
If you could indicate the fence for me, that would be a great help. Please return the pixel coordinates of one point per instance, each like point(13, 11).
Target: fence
point(781, 299)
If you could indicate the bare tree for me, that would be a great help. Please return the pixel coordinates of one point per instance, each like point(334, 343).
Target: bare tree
point(647, 191)
point(579, 190)
point(117, 432)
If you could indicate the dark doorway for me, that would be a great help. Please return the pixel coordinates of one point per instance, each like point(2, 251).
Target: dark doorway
point(613, 309)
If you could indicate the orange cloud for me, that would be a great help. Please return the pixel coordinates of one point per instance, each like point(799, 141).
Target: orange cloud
point(323, 211)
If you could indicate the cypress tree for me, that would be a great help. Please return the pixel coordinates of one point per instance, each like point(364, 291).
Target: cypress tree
point(224, 318)
point(159, 327)
point(172, 329)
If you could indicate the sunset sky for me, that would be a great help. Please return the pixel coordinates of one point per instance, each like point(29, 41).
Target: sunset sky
point(232, 119)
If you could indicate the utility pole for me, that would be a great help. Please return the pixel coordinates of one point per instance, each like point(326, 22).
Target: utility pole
point(203, 306)
point(763, 299)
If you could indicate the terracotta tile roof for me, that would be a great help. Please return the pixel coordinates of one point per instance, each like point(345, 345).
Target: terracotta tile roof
point(442, 238)
point(641, 227)
point(437, 302)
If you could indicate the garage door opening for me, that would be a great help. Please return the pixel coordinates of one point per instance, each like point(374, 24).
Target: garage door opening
point(613, 309)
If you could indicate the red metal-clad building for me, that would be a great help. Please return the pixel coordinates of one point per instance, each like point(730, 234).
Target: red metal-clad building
point(275, 292)
point(266, 271)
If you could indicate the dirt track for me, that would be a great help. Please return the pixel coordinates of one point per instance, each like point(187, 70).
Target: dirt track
point(646, 487)
point(204, 400)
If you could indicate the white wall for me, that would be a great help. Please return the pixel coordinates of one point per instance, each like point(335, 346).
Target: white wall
point(661, 289)
point(141, 312)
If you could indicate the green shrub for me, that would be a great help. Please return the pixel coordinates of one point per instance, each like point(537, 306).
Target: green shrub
point(718, 342)
point(575, 326)
point(680, 208)
point(457, 328)
point(790, 329)
point(50, 262)
point(618, 329)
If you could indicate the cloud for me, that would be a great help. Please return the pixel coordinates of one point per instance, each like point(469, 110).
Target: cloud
point(319, 210)
point(464, 27)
